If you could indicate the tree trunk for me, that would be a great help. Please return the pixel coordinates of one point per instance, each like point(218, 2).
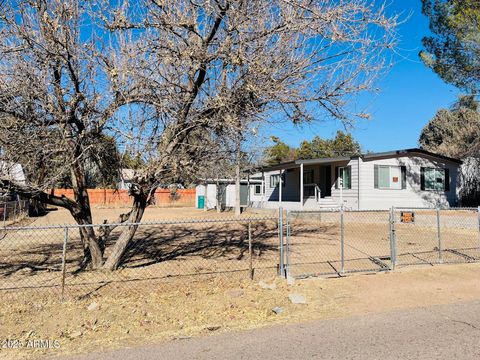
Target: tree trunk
point(118, 250)
point(82, 214)
point(205, 198)
point(238, 210)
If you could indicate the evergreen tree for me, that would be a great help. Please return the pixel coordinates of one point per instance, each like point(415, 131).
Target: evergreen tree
point(342, 145)
point(453, 51)
point(279, 152)
point(454, 132)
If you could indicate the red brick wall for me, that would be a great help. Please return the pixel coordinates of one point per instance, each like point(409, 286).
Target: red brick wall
point(120, 198)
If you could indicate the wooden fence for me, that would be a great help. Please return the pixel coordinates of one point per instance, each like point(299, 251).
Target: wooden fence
point(120, 198)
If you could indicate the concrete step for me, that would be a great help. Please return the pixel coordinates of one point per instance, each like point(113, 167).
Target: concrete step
point(323, 203)
point(327, 201)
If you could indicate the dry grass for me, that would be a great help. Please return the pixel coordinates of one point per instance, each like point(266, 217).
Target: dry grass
point(192, 279)
point(205, 306)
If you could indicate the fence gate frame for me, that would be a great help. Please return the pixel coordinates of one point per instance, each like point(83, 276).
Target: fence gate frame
point(381, 264)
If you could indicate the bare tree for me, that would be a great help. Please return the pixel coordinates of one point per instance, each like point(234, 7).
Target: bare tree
point(226, 63)
point(180, 71)
point(56, 100)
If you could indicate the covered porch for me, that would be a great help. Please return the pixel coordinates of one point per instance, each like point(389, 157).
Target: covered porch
point(307, 184)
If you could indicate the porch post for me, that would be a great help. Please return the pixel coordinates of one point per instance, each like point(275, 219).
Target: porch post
point(280, 188)
point(263, 188)
point(301, 185)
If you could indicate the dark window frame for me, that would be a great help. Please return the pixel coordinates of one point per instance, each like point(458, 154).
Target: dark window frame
point(446, 179)
point(403, 177)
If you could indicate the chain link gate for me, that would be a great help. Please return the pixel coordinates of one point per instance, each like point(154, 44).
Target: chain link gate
point(335, 242)
point(331, 243)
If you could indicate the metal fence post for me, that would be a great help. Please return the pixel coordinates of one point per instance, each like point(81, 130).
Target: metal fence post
point(393, 243)
point(439, 237)
point(478, 216)
point(280, 238)
point(64, 266)
point(287, 245)
point(342, 241)
point(250, 250)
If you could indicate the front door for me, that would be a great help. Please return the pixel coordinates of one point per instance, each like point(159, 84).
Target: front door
point(326, 180)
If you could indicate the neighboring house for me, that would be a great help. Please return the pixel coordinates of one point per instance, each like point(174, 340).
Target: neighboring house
point(221, 192)
point(125, 179)
point(14, 173)
point(402, 178)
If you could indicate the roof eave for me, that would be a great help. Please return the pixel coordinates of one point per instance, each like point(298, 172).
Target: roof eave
point(410, 151)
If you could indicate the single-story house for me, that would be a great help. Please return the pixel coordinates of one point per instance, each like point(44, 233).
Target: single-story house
point(401, 178)
point(221, 192)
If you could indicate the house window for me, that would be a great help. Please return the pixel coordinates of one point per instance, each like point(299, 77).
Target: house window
point(308, 176)
point(435, 179)
point(390, 177)
point(275, 180)
point(258, 190)
point(344, 177)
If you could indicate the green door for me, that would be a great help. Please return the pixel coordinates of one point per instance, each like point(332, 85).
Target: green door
point(243, 195)
point(201, 201)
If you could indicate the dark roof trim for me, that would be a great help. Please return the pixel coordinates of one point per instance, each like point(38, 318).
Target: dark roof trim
point(296, 163)
point(282, 166)
point(324, 160)
point(409, 151)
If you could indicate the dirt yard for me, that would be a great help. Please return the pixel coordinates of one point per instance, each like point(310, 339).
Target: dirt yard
point(113, 320)
point(315, 246)
point(60, 216)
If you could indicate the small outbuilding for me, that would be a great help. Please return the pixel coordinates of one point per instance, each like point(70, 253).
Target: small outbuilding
point(220, 193)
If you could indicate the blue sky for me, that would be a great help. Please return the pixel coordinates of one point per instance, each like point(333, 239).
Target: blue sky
point(409, 95)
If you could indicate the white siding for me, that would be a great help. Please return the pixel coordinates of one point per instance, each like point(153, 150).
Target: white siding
point(291, 190)
point(199, 191)
point(230, 196)
point(210, 196)
point(363, 194)
point(252, 196)
point(350, 196)
point(412, 196)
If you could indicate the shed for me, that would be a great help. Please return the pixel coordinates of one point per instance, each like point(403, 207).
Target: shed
point(211, 193)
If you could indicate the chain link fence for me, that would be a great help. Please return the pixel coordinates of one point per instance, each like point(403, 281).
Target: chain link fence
point(12, 212)
point(337, 242)
point(435, 236)
point(47, 259)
